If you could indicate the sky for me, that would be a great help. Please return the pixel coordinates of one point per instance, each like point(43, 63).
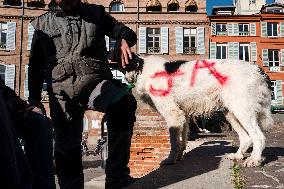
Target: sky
point(211, 3)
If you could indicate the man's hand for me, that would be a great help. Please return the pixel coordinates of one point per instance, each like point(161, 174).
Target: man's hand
point(125, 53)
point(36, 106)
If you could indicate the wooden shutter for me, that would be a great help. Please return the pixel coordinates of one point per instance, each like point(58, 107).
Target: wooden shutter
point(10, 76)
point(85, 124)
point(142, 39)
point(265, 60)
point(30, 36)
point(200, 40)
point(179, 40)
point(252, 29)
point(107, 42)
point(213, 50)
point(264, 29)
point(213, 28)
point(235, 29)
point(236, 50)
point(11, 36)
point(253, 51)
point(282, 57)
point(26, 82)
point(281, 29)
point(165, 40)
point(279, 95)
point(230, 50)
point(230, 30)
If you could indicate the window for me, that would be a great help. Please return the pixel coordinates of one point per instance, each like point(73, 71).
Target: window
point(112, 43)
point(153, 40)
point(3, 35)
point(189, 41)
point(191, 8)
point(36, 3)
point(274, 90)
point(273, 58)
point(243, 29)
point(117, 7)
point(44, 94)
point(154, 9)
point(221, 51)
point(244, 52)
point(221, 29)
point(274, 9)
point(173, 7)
point(252, 1)
point(2, 72)
point(12, 2)
point(272, 28)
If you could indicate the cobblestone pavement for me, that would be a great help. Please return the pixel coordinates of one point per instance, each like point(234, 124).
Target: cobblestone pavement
point(271, 173)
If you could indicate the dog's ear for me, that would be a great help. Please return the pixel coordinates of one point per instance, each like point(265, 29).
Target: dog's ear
point(135, 64)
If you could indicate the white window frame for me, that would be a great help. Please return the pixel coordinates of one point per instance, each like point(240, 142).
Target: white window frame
point(226, 50)
point(117, 7)
point(268, 26)
point(155, 34)
point(242, 45)
point(273, 62)
point(2, 31)
point(244, 33)
point(222, 32)
point(189, 33)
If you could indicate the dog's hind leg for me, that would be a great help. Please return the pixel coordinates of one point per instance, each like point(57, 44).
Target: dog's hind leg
point(245, 140)
point(184, 137)
point(249, 122)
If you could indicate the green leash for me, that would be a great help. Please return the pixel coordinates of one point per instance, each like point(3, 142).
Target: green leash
point(123, 92)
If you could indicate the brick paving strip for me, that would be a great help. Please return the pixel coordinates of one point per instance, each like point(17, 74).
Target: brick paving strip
point(204, 166)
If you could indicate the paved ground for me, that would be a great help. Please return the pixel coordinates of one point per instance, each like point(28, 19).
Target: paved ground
point(206, 167)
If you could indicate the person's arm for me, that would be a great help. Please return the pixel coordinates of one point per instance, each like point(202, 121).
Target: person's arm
point(36, 73)
point(125, 37)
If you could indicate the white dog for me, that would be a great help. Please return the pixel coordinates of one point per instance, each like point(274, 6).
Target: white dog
point(181, 89)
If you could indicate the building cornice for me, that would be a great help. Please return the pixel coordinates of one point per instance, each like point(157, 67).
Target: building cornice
point(158, 22)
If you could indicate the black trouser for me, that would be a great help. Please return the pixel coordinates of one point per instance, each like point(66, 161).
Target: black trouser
point(68, 136)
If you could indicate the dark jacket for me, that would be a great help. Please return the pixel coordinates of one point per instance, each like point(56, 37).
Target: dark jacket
point(7, 92)
point(70, 50)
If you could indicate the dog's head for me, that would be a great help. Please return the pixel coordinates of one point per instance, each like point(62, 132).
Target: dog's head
point(134, 68)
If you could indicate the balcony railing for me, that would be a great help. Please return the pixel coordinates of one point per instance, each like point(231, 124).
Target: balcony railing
point(275, 68)
point(243, 33)
point(189, 50)
point(153, 50)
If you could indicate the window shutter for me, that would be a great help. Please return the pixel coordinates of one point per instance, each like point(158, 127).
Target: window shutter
point(231, 50)
point(264, 29)
point(236, 50)
point(85, 124)
point(142, 39)
point(230, 30)
point(252, 29)
point(279, 95)
point(26, 84)
point(107, 42)
point(253, 51)
point(179, 40)
point(11, 36)
point(236, 29)
point(213, 28)
point(213, 50)
point(30, 36)
point(265, 57)
point(165, 40)
point(10, 76)
point(282, 57)
point(200, 40)
point(281, 29)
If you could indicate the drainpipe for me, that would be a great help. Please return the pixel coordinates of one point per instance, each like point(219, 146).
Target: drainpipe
point(21, 47)
point(137, 23)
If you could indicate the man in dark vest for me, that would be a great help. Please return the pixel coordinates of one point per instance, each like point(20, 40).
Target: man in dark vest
point(69, 52)
point(34, 168)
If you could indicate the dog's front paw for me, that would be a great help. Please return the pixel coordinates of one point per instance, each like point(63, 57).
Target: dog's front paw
point(252, 162)
point(235, 156)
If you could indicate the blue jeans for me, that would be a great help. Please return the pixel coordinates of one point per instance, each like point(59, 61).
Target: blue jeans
point(36, 132)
